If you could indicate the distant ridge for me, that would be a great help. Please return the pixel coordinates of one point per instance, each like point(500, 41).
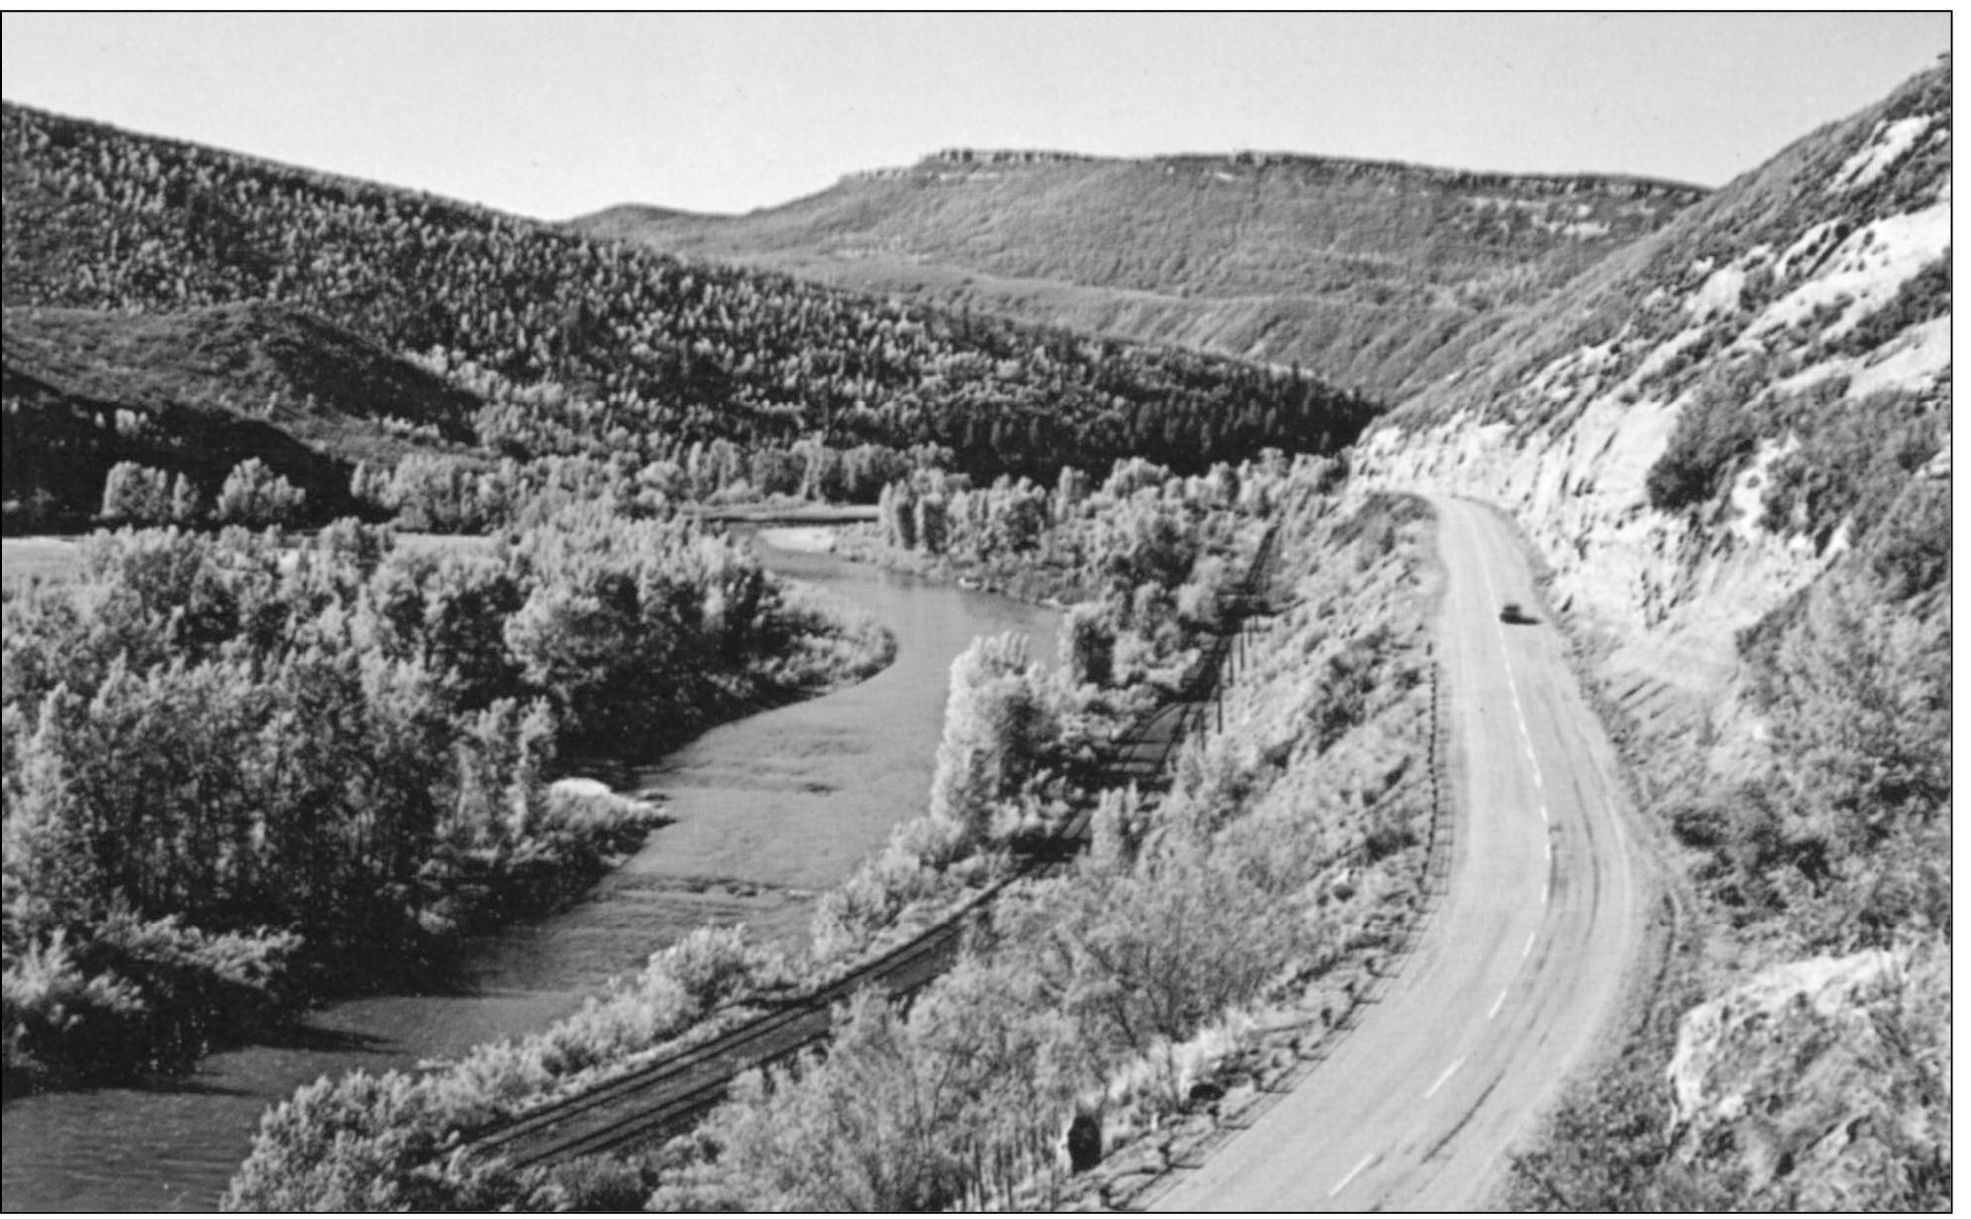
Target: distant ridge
point(1377, 274)
point(1630, 186)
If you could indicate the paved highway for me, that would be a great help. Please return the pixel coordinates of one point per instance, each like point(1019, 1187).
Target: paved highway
point(1520, 966)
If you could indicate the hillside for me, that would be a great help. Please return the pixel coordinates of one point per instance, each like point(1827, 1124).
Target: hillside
point(1730, 442)
point(1373, 274)
point(612, 355)
point(271, 361)
point(198, 392)
point(1689, 431)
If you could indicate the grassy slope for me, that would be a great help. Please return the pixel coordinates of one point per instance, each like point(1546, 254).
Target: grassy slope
point(254, 358)
point(1338, 264)
point(201, 391)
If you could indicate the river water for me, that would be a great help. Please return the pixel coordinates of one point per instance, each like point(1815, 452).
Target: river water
point(768, 811)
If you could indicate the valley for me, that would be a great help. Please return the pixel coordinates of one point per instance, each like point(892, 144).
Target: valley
point(354, 533)
point(761, 816)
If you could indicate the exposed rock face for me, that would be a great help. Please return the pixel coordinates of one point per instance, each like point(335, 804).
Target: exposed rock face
point(1652, 428)
point(1816, 1085)
point(1807, 294)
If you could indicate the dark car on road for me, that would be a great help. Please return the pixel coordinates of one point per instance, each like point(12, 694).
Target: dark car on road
point(1513, 614)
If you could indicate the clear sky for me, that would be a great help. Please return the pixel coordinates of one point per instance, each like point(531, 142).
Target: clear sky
point(553, 116)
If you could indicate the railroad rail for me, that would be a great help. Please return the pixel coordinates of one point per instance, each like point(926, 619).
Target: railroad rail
point(666, 1096)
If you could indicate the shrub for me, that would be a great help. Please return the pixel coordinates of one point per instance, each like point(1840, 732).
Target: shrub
point(1713, 435)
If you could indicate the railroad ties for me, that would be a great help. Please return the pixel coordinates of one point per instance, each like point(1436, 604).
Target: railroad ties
point(666, 1097)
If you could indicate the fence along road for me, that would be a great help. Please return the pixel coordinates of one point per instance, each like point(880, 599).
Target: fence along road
point(1517, 972)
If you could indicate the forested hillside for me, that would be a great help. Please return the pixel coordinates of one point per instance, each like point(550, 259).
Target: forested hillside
point(1371, 274)
point(1731, 442)
point(610, 354)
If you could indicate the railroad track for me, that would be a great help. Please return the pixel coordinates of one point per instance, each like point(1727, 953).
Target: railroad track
point(667, 1096)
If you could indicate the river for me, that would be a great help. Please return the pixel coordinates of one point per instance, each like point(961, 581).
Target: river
point(767, 812)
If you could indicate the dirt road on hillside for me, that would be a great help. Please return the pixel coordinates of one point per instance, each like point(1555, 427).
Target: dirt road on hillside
point(1520, 966)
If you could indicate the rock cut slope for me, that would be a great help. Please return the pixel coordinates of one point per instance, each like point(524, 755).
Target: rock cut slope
point(1730, 444)
point(1687, 433)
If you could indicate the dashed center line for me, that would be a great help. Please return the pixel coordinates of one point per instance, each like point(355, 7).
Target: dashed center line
point(1448, 1073)
point(1353, 1173)
point(1497, 1004)
point(1528, 950)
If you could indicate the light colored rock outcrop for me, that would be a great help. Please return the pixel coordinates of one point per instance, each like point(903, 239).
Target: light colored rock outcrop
point(1753, 301)
point(1816, 1085)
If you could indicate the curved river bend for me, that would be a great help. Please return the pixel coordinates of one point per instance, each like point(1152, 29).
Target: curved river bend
point(768, 810)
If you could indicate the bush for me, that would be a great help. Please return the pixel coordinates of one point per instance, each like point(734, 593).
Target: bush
point(1713, 436)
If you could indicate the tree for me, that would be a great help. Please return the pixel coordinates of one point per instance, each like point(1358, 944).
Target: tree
point(255, 496)
point(933, 523)
point(1088, 644)
point(1016, 518)
point(995, 725)
point(186, 503)
point(137, 495)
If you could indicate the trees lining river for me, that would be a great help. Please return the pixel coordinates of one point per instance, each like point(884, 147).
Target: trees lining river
point(766, 811)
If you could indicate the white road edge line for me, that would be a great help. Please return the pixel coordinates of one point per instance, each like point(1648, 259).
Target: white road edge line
point(1352, 1174)
point(1448, 1073)
point(1497, 1004)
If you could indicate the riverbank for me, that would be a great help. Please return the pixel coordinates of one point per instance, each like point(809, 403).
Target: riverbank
point(762, 815)
point(343, 751)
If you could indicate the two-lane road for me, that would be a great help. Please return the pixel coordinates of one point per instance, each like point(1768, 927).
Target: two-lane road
point(1520, 967)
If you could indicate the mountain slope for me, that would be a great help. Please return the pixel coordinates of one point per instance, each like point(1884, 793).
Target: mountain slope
point(1730, 443)
point(199, 391)
point(613, 354)
point(1372, 273)
point(1659, 425)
